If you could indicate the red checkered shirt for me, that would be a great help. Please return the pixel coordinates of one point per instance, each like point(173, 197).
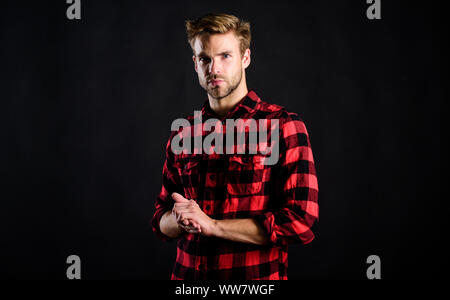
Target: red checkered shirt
point(281, 197)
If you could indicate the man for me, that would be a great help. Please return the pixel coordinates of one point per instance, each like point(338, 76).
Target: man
point(234, 216)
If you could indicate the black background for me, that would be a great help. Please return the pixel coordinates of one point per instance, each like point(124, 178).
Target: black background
point(87, 106)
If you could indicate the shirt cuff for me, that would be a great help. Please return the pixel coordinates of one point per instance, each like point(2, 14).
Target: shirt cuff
point(267, 222)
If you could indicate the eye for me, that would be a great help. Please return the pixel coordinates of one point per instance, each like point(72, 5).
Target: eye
point(226, 55)
point(203, 59)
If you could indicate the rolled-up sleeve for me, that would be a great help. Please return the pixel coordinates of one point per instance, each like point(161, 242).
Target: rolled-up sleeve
point(297, 208)
point(171, 182)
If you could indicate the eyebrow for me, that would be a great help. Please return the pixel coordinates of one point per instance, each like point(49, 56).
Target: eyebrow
point(203, 54)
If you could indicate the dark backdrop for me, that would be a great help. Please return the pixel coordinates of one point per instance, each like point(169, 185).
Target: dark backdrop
point(87, 107)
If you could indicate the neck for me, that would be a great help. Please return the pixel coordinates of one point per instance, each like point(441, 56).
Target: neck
point(222, 106)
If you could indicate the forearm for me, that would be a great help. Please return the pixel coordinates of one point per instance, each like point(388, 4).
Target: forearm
point(169, 226)
point(240, 230)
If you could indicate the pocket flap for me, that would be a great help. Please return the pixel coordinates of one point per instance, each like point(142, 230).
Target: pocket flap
point(188, 163)
point(246, 162)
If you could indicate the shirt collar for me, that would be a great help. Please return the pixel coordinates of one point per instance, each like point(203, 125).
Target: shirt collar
point(248, 104)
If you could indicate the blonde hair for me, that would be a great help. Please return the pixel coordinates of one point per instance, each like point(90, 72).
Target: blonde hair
point(219, 23)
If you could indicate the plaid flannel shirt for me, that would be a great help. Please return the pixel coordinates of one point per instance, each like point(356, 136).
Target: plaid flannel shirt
point(282, 198)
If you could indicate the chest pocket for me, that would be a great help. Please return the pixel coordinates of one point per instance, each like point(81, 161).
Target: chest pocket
point(245, 175)
point(189, 170)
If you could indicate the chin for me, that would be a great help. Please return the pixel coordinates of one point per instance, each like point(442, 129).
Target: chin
point(216, 93)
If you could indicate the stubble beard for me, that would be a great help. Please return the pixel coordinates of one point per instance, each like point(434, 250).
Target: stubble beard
point(215, 91)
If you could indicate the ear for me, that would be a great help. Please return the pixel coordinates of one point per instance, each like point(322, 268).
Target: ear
point(246, 59)
point(195, 62)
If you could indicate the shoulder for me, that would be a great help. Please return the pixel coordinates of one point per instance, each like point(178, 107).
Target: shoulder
point(285, 116)
point(291, 125)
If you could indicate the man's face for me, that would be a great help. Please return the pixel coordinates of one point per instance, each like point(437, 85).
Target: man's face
point(219, 63)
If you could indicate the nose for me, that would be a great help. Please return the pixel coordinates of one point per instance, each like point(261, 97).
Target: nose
point(215, 67)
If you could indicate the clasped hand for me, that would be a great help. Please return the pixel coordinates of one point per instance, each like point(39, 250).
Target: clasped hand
point(190, 217)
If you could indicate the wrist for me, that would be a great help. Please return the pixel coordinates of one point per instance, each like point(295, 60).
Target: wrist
point(216, 228)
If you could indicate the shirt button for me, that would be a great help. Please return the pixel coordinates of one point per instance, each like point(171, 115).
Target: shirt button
point(212, 176)
point(208, 207)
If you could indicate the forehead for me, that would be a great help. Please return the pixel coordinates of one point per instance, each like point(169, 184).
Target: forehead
point(216, 43)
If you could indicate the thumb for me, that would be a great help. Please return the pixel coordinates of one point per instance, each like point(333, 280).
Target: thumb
point(178, 198)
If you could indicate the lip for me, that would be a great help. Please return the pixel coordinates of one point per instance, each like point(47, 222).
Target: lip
point(215, 82)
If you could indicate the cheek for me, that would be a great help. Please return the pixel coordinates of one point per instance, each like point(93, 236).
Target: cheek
point(203, 70)
point(200, 73)
point(229, 70)
point(237, 68)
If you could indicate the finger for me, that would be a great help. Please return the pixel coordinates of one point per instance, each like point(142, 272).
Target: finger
point(179, 213)
point(176, 213)
point(194, 224)
point(179, 198)
point(188, 229)
point(179, 218)
point(186, 221)
point(186, 215)
point(180, 205)
point(181, 209)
